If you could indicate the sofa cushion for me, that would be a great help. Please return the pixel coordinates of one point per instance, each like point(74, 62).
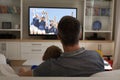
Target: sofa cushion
point(112, 73)
point(2, 59)
point(6, 70)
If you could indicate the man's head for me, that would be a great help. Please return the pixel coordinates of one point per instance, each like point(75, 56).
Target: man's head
point(69, 30)
point(42, 18)
point(51, 22)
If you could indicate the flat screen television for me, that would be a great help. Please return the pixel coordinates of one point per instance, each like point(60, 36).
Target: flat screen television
point(44, 20)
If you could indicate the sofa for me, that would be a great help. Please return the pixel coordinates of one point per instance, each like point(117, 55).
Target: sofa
point(6, 70)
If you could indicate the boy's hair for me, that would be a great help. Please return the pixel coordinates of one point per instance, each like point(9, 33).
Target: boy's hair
point(69, 30)
point(52, 52)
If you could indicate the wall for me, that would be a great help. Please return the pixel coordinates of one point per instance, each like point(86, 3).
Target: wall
point(116, 64)
point(50, 3)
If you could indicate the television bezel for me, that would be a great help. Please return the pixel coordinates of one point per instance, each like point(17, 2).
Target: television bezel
point(50, 35)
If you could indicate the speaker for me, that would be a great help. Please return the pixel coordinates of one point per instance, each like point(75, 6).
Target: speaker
point(6, 25)
point(7, 36)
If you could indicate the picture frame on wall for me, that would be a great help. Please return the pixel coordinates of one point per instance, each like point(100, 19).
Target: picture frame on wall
point(105, 11)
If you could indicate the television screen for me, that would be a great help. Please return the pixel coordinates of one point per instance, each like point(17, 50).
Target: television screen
point(44, 21)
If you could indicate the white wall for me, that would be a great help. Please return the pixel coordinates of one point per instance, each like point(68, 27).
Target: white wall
point(116, 64)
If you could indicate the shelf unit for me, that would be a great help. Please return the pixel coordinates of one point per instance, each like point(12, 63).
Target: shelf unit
point(89, 11)
point(10, 12)
point(20, 50)
point(98, 19)
point(10, 30)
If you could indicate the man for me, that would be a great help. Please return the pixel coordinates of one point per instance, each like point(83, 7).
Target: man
point(74, 61)
point(42, 25)
point(52, 27)
point(35, 24)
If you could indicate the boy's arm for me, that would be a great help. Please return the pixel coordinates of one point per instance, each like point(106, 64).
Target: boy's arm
point(23, 72)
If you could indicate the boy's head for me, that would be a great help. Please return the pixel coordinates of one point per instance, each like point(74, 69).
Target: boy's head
point(52, 52)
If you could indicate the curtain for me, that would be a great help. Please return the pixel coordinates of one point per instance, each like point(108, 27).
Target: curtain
point(116, 61)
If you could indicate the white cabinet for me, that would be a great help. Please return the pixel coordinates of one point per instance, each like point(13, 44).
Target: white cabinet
point(33, 50)
point(13, 50)
point(3, 48)
point(106, 47)
point(91, 46)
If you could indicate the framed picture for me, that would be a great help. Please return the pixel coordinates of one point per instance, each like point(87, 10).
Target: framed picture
point(105, 11)
point(6, 25)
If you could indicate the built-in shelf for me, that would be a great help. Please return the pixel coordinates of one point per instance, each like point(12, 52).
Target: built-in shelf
point(10, 19)
point(10, 30)
point(88, 12)
point(98, 19)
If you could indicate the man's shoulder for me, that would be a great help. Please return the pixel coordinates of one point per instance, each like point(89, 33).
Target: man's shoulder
point(43, 69)
point(48, 62)
point(91, 52)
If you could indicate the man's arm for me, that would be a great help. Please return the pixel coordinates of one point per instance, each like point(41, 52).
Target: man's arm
point(44, 69)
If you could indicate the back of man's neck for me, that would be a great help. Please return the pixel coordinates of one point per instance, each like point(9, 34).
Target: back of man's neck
point(71, 48)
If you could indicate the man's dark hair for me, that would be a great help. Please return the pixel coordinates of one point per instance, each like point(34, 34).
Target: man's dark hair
point(69, 30)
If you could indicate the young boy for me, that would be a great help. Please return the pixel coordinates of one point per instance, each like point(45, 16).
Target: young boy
point(52, 52)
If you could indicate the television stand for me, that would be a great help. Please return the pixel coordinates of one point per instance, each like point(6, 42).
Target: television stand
point(50, 37)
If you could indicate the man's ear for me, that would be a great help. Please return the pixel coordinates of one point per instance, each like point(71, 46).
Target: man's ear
point(59, 37)
point(80, 34)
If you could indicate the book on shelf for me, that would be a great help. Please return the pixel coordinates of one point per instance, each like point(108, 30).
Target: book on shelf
point(3, 9)
point(96, 11)
point(9, 9)
point(89, 11)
